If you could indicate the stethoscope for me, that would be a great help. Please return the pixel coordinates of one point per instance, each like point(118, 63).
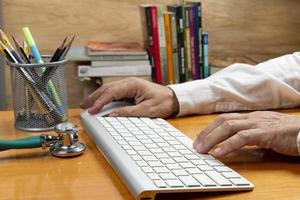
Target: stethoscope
point(65, 144)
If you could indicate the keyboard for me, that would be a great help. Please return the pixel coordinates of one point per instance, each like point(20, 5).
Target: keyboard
point(151, 157)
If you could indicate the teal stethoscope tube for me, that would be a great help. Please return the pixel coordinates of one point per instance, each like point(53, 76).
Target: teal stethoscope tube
point(23, 143)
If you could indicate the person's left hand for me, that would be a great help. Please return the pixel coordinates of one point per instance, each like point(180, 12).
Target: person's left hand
point(269, 130)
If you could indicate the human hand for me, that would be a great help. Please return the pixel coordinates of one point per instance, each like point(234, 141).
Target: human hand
point(151, 100)
point(269, 130)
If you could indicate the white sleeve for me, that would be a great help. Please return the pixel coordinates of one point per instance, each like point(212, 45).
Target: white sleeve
point(268, 85)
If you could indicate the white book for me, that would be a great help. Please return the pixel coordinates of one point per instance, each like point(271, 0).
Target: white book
point(138, 70)
point(119, 63)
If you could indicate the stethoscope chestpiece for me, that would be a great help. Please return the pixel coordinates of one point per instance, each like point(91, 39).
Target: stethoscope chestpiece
point(67, 143)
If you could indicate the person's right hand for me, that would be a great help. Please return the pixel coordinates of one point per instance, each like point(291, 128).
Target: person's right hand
point(151, 100)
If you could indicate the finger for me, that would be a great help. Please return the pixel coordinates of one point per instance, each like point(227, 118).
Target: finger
point(221, 133)
point(217, 122)
point(237, 141)
point(138, 110)
point(90, 100)
point(114, 92)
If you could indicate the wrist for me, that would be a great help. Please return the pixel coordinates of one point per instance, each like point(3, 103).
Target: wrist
point(174, 102)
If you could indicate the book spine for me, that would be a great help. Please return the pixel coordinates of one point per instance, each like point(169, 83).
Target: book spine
point(162, 45)
point(187, 46)
point(147, 34)
point(206, 71)
point(174, 47)
point(178, 10)
point(200, 57)
point(156, 54)
point(194, 54)
point(169, 47)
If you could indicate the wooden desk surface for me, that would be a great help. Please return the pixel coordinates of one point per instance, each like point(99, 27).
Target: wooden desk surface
point(35, 174)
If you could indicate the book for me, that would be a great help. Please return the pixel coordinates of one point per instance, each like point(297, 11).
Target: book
point(169, 47)
point(178, 10)
point(156, 54)
point(174, 47)
point(187, 43)
point(131, 70)
point(79, 54)
point(99, 63)
point(198, 30)
point(95, 48)
point(162, 44)
point(104, 80)
point(193, 24)
point(145, 15)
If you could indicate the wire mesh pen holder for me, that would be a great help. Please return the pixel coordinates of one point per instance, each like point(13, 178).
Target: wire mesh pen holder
point(39, 95)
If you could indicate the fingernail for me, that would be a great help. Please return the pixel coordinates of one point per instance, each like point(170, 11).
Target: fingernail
point(199, 147)
point(113, 115)
point(218, 151)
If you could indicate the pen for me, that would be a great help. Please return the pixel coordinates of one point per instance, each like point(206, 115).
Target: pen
point(6, 42)
point(56, 57)
point(21, 50)
point(38, 59)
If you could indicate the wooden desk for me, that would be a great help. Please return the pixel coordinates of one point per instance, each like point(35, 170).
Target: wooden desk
point(34, 174)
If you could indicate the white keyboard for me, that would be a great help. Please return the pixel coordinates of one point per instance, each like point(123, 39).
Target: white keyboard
point(161, 156)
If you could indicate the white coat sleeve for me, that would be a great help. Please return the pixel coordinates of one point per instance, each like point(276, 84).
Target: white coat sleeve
point(268, 85)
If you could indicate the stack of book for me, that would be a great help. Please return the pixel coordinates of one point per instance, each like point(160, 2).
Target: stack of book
point(112, 59)
point(177, 45)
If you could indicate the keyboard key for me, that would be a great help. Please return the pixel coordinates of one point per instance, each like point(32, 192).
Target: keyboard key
point(155, 151)
point(141, 163)
point(131, 152)
point(186, 165)
point(161, 170)
point(189, 181)
point(168, 149)
point(205, 167)
point(127, 147)
point(239, 181)
point(147, 169)
point(191, 157)
point(180, 172)
point(163, 144)
point(151, 146)
point(204, 180)
point(150, 158)
point(167, 161)
point(174, 183)
point(179, 147)
point(144, 153)
point(167, 176)
point(218, 178)
point(136, 157)
point(153, 176)
point(198, 162)
point(214, 163)
point(180, 159)
point(173, 142)
point(174, 154)
point(162, 155)
point(173, 166)
point(222, 169)
point(230, 175)
point(160, 184)
point(139, 148)
point(155, 164)
point(193, 171)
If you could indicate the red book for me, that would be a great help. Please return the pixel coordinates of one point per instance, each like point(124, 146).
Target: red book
point(156, 54)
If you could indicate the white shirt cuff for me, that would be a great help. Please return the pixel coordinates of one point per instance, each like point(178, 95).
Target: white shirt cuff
point(298, 143)
point(194, 97)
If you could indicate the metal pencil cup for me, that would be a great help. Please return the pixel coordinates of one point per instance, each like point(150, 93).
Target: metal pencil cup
point(39, 95)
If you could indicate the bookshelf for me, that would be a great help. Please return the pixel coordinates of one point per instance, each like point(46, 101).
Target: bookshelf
point(247, 31)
